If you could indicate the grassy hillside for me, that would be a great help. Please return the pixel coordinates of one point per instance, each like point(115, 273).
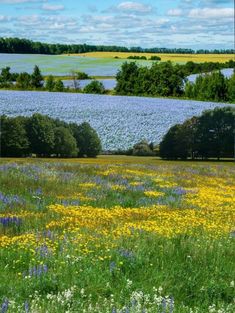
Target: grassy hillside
point(116, 234)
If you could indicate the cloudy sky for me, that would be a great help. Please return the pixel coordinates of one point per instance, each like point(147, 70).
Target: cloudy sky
point(151, 23)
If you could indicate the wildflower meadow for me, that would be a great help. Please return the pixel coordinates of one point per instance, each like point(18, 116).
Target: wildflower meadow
point(116, 235)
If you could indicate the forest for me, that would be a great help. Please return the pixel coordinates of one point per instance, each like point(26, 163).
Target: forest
point(18, 45)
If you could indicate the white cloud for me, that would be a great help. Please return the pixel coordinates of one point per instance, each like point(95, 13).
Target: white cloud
point(52, 7)
point(175, 12)
point(4, 18)
point(212, 13)
point(134, 7)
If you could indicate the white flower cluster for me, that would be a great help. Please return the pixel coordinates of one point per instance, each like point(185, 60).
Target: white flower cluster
point(75, 300)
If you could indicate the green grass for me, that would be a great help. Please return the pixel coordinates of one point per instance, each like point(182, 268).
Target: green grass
point(101, 271)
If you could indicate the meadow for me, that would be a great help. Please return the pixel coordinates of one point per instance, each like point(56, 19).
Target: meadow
point(117, 235)
point(128, 120)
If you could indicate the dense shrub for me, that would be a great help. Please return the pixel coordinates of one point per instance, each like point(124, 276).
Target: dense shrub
point(95, 87)
point(82, 75)
point(142, 148)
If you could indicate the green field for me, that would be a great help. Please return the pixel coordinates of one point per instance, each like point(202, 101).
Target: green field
point(116, 234)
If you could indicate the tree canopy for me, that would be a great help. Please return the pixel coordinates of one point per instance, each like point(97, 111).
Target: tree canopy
point(210, 135)
point(45, 137)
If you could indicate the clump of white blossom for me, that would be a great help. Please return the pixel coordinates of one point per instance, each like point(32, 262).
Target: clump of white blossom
point(75, 300)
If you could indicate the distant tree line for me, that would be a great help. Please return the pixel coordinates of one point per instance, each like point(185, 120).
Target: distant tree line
point(166, 79)
point(18, 45)
point(210, 135)
point(46, 137)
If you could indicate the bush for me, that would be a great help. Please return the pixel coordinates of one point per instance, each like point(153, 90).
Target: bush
point(142, 149)
point(23, 81)
point(50, 83)
point(59, 86)
point(95, 87)
point(155, 58)
point(82, 75)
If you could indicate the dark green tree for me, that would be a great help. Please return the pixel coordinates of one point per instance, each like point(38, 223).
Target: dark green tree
point(13, 137)
point(41, 134)
point(231, 88)
point(36, 78)
point(50, 83)
point(175, 144)
point(5, 77)
point(142, 148)
point(59, 86)
point(95, 87)
point(87, 140)
point(126, 78)
point(65, 143)
point(23, 81)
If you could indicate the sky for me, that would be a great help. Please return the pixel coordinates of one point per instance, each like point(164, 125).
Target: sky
point(196, 24)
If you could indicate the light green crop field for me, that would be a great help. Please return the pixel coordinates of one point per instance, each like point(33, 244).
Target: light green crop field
point(116, 234)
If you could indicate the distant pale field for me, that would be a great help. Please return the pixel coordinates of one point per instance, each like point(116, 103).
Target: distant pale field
point(165, 57)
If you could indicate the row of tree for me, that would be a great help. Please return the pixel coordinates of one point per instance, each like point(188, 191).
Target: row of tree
point(211, 135)
point(18, 45)
point(166, 79)
point(45, 137)
point(196, 68)
point(25, 81)
point(213, 87)
point(161, 79)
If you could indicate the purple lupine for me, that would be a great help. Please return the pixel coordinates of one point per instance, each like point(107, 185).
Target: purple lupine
point(26, 307)
point(10, 199)
point(164, 305)
point(126, 253)
point(171, 305)
point(179, 191)
point(36, 271)
point(43, 251)
point(6, 221)
point(5, 306)
point(114, 310)
point(112, 266)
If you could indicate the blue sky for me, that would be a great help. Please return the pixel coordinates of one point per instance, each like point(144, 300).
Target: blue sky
point(151, 23)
